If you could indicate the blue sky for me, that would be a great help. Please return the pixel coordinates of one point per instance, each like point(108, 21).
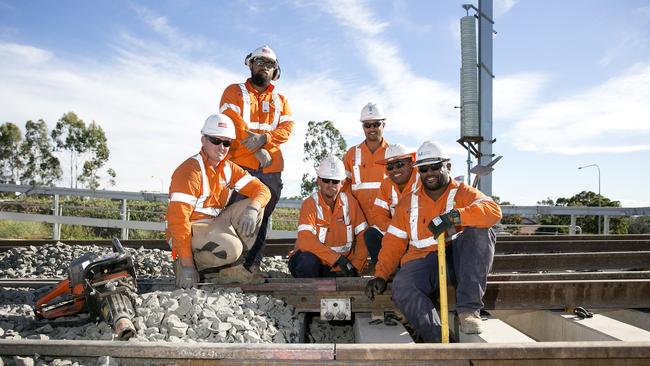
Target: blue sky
point(571, 83)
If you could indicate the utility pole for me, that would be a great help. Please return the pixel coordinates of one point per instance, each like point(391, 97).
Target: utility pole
point(485, 30)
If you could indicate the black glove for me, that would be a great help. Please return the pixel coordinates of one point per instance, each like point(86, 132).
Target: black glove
point(444, 222)
point(347, 269)
point(375, 286)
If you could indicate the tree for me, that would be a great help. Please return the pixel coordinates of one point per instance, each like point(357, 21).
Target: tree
point(321, 140)
point(40, 167)
point(639, 225)
point(87, 147)
point(97, 149)
point(10, 162)
point(589, 224)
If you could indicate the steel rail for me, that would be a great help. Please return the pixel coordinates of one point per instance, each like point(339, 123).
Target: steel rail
point(168, 353)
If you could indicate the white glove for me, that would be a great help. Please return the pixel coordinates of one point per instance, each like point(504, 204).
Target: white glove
point(247, 222)
point(254, 140)
point(263, 157)
point(186, 274)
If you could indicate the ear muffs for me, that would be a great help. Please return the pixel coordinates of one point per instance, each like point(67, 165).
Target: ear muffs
point(276, 72)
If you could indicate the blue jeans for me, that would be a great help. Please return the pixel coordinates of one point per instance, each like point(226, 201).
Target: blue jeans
point(469, 260)
point(373, 238)
point(307, 265)
point(274, 183)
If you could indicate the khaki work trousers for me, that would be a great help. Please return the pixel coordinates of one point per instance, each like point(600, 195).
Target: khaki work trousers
point(217, 243)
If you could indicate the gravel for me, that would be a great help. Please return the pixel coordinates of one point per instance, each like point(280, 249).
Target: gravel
point(323, 331)
point(53, 260)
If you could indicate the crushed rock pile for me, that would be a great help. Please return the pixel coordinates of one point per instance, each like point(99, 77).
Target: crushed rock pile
point(212, 315)
point(53, 260)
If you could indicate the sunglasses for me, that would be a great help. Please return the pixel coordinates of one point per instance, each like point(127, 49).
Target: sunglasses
point(396, 165)
point(372, 124)
point(328, 181)
point(215, 141)
point(431, 167)
point(264, 63)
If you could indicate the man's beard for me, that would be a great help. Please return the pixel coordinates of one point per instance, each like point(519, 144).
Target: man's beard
point(260, 79)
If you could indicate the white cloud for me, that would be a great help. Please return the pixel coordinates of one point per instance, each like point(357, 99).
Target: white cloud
point(606, 118)
point(355, 14)
point(515, 94)
point(501, 7)
point(160, 24)
point(14, 52)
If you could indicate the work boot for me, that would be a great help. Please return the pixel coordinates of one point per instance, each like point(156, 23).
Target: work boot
point(236, 275)
point(368, 269)
point(257, 272)
point(470, 322)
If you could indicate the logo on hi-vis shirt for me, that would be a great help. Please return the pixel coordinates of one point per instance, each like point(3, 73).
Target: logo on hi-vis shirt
point(266, 108)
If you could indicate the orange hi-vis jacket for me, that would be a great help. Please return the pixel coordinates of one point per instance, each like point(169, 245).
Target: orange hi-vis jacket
point(387, 199)
point(199, 191)
point(329, 234)
point(408, 237)
point(364, 175)
point(260, 112)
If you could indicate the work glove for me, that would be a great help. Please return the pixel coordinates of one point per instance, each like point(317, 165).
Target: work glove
point(186, 274)
point(247, 222)
point(375, 286)
point(263, 157)
point(254, 140)
point(347, 269)
point(444, 222)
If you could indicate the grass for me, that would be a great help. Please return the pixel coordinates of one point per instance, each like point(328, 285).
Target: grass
point(285, 219)
point(24, 230)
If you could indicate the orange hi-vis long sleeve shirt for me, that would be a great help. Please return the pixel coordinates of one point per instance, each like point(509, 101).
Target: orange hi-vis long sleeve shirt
point(408, 237)
point(331, 233)
point(199, 191)
point(387, 199)
point(364, 175)
point(260, 112)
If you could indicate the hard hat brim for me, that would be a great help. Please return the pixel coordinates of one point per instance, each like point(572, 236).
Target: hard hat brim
point(398, 157)
point(429, 161)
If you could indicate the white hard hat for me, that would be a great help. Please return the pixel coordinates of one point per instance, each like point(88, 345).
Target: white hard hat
point(331, 168)
point(219, 125)
point(430, 153)
point(265, 52)
point(371, 111)
point(396, 152)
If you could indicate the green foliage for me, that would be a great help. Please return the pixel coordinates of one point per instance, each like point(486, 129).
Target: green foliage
point(24, 230)
point(321, 140)
point(589, 224)
point(285, 219)
point(87, 147)
point(10, 162)
point(40, 166)
point(639, 225)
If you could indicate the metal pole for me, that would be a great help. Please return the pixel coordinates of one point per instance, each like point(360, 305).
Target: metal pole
point(56, 229)
point(485, 90)
point(125, 231)
point(599, 196)
point(572, 228)
point(606, 232)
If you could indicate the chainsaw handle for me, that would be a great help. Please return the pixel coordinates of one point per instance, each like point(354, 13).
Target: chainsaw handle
point(117, 246)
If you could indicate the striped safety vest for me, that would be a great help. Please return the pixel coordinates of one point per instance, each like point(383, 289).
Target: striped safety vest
point(246, 112)
point(198, 202)
point(394, 199)
point(322, 231)
point(413, 220)
point(356, 170)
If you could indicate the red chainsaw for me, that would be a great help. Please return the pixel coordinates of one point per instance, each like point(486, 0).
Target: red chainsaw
point(101, 284)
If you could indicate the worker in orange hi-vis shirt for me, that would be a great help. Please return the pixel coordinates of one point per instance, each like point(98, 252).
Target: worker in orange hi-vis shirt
point(330, 229)
point(207, 237)
point(364, 175)
point(263, 122)
point(439, 205)
point(402, 179)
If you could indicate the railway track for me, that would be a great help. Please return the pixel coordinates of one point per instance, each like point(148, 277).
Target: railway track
point(544, 274)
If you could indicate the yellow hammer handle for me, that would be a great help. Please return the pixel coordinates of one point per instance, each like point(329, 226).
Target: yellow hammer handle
point(442, 281)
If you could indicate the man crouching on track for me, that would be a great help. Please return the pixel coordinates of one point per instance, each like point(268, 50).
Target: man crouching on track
point(330, 229)
point(204, 236)
point(438, 205)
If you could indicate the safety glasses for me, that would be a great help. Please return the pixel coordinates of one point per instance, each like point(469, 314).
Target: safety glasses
point(430, 167)
point(372, 124)
point(264, 63)
point(328, 181)
point(215, 141)
point(395, 165)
